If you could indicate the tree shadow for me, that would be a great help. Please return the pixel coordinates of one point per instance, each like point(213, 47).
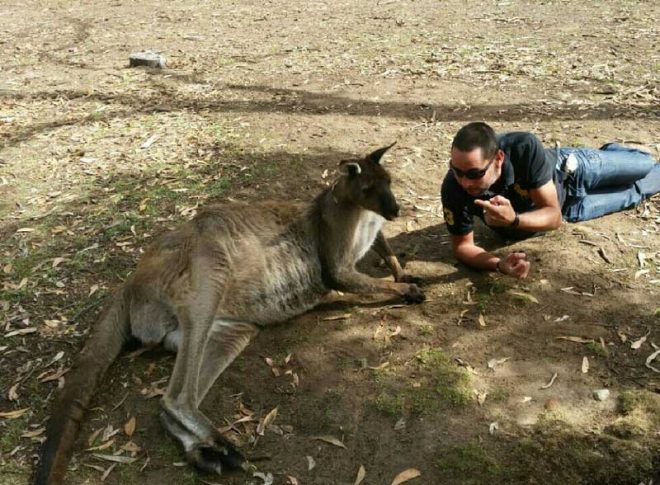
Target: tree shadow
point(166, 98)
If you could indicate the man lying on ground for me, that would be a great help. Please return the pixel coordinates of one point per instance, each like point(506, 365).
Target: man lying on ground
point(520, 189)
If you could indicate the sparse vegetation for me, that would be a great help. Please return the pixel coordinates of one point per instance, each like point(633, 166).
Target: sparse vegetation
point(263, 101)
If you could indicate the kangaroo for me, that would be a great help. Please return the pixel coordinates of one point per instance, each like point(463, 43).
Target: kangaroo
point(205, 290)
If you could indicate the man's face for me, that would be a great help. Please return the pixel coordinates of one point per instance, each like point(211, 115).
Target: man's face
point(473, 172)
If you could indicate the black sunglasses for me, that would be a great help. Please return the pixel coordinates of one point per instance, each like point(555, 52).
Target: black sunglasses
point(473, 173)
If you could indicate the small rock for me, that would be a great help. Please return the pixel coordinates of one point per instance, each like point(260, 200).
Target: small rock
point(601, 394)
point(552, 404)
point(147, 58)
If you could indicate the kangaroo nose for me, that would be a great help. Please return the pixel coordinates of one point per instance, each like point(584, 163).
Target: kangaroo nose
point(393, 212)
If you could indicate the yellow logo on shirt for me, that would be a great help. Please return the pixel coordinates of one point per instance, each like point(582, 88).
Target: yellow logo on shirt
point(522, 192)
point(449, 216)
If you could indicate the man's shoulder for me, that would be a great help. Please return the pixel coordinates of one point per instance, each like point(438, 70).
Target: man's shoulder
point(513, 139)
point(451, 189)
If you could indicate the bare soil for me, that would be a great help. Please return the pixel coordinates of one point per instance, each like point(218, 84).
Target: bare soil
point(262, 100)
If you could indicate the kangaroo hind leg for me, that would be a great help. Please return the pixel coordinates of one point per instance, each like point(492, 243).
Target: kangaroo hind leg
point(204, 353)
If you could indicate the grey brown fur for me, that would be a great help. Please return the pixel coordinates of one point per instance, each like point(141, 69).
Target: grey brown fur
point(207, 288)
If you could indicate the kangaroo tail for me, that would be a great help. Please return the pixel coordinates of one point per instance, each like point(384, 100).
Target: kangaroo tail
point(102, 348)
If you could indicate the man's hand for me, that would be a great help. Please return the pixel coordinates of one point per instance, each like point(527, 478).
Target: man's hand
point(516, 265)
point(498, 211)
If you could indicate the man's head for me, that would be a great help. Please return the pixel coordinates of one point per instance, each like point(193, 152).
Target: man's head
point(475, 158)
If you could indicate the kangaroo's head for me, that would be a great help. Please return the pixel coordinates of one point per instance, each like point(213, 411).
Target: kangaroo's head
point(366, 183)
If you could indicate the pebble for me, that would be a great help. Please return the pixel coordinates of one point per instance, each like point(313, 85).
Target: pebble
point(601, 394)
point(146, 58)
point(552, 404)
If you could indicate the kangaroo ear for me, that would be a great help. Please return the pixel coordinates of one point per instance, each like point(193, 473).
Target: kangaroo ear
point(350, 168)
point(378, 154)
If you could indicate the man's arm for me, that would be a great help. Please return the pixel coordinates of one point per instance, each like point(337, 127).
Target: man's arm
point(515, 264)
point(498, 211)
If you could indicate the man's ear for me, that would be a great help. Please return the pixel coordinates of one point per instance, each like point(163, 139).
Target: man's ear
point(499, 158)
point(350, 168)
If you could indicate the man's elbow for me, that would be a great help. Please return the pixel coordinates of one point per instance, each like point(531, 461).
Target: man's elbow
point(558, 221)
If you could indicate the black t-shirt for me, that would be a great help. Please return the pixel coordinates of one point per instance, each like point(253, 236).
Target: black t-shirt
point(527, 165)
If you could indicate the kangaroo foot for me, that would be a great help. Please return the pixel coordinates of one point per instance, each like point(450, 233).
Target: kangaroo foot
point(211, 456)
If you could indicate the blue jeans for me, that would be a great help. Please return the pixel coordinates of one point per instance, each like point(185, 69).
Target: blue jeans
point(606, 180)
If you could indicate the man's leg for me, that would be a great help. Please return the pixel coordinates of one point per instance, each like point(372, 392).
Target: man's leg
point(611, 166)
point(607, 200)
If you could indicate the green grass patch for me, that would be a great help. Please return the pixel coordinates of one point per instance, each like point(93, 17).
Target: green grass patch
point(641, 404)
point(438, 383)
point(10, 433)
point(552, 452)
point(596, 349)
point(498, 394)
point(393, 406)
point(470, 464)
point(444, 378)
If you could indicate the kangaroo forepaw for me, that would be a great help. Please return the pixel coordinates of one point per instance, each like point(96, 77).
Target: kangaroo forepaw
point(414, 295)
point(408, 278)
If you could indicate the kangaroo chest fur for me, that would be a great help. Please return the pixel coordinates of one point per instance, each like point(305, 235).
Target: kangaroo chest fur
point(284, 279)
point(368, 226)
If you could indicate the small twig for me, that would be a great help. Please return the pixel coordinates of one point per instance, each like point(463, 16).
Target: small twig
point(120, 402)
point(87, 308)
point(603, 255)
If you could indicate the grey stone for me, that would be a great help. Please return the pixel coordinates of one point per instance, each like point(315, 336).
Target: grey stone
point(147, 58)
point(601, 394)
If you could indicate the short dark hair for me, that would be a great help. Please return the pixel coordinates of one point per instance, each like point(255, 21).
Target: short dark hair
point(476, 135)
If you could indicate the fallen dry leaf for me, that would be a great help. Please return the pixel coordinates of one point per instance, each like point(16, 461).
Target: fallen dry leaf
point(329, 439)
point(481, 396)
point(266, 477)
point(492, 363)
point(578, 340)
point(21, 331)
point(103, 446)
point(93, 436)
point(129, 427)
point(115, 458)
point(482, 320)
point(107, 472)
point(12, 395)
point(33, 434)
point(638, 343)
point(524, 296)
point(406, 475)
point(585, 365)
point(14, 414)
point(311, 463)
point(360, 475)
point(263, 424)
point(552, 381)
point(343, 316)
point(650, 359)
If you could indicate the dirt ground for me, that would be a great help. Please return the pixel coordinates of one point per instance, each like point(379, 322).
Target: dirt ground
point(262, 99)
